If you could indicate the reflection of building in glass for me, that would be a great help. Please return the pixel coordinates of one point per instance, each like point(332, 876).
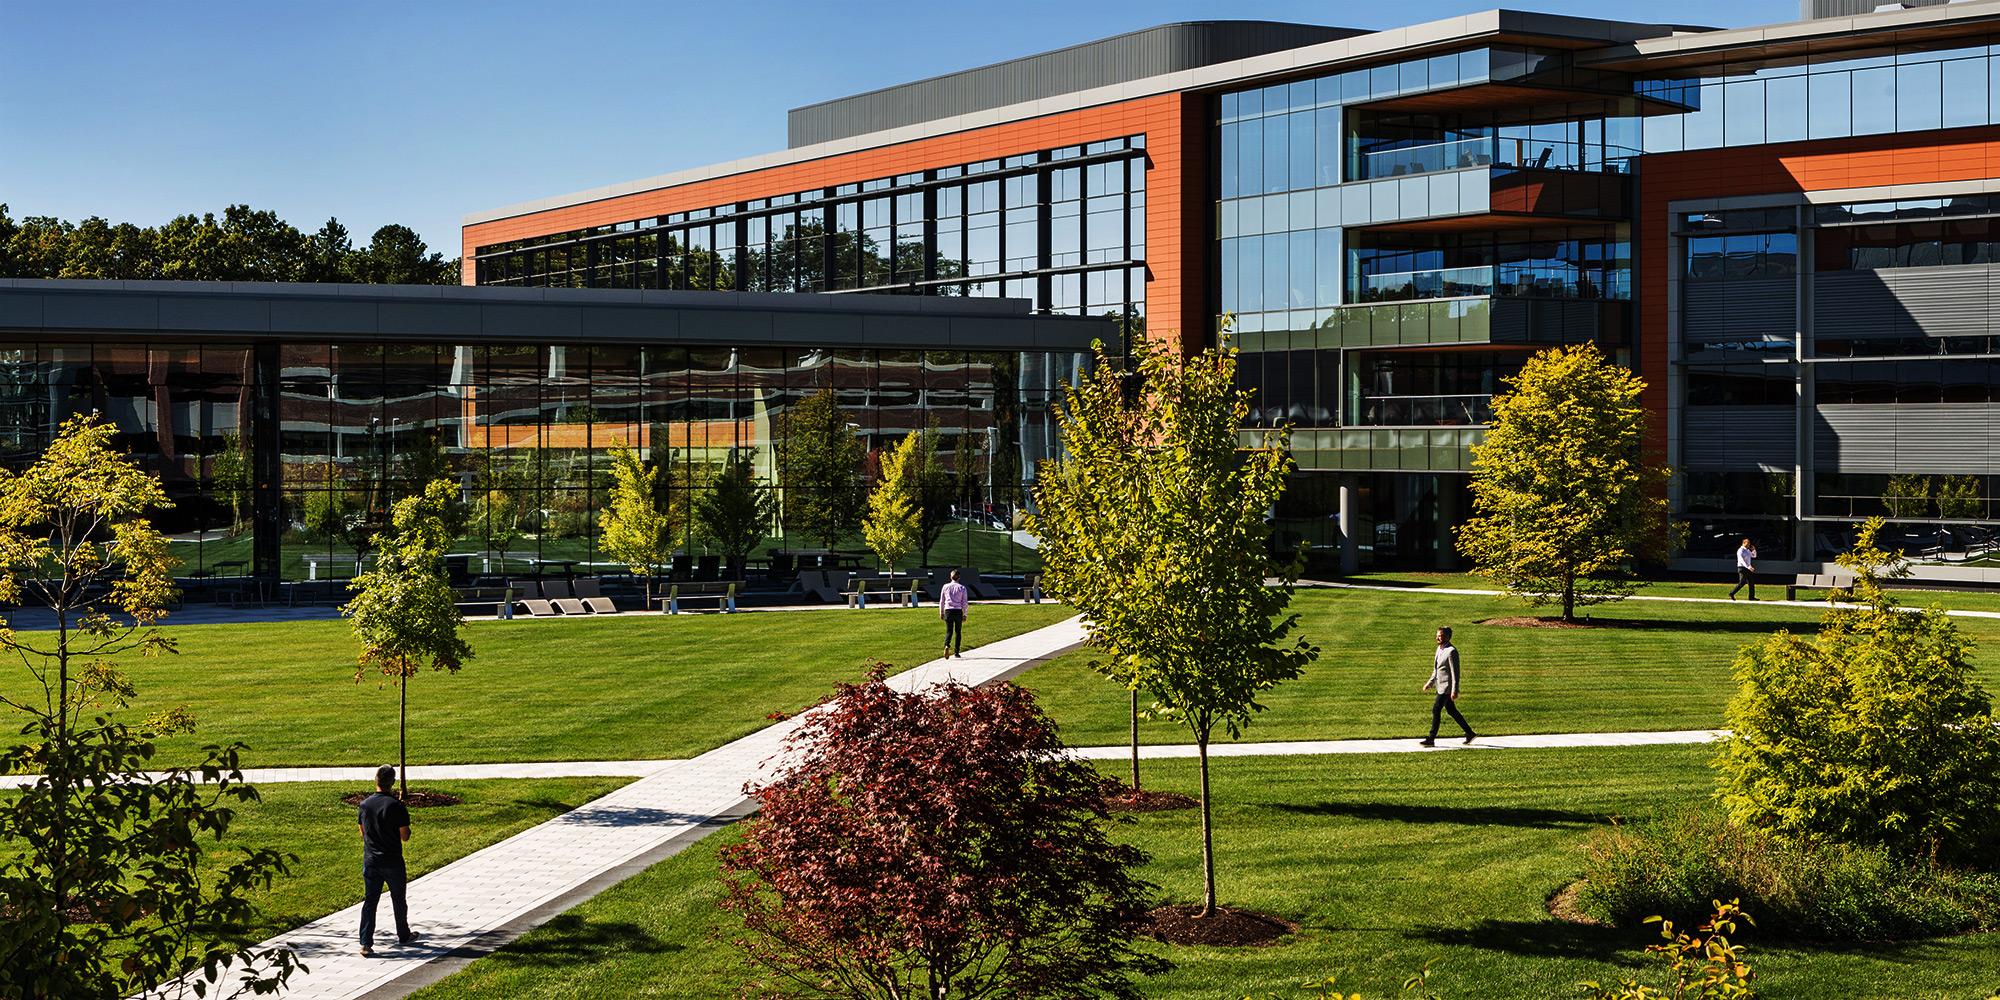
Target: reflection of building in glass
point(281, 441)
point(1786, 229)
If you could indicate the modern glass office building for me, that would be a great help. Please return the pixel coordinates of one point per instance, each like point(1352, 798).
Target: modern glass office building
point(284, 419)
point(1783, 228)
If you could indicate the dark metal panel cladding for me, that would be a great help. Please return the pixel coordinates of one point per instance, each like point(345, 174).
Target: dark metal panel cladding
point(1714, 312)
point(1810, 9)
point(1167, 48)
point(1928, 438)
point(1738, 437)
point(1904, 302)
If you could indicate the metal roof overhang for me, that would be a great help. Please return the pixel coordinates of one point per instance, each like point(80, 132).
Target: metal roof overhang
point(253, 312)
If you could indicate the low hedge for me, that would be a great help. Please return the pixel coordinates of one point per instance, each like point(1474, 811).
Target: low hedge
point(1676, 866)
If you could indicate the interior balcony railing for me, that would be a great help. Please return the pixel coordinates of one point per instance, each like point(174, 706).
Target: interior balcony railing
point(1459, 410)
point(1522, 280)
point(1491, 151)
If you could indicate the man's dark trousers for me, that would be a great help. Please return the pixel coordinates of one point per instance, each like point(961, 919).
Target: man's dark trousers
point(954, 629)
point(376, 878)
point(1442, 705)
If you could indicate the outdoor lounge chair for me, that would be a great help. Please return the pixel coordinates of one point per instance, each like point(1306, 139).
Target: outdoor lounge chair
point(969, 576)
point(810, 581)
point(591, 593)
point(557, 591)
point(531, 600)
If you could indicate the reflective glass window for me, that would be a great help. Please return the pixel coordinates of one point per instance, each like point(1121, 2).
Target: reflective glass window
point(1874, 100)
point(1919, 97)
point(1830, 108)
point(1785, 109)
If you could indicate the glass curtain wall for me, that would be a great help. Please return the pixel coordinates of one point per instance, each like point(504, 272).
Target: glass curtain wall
point(527, 433)
point(1063, 227)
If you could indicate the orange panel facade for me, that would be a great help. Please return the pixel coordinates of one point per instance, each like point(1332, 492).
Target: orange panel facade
point(1817, 165)
point(1175, 151)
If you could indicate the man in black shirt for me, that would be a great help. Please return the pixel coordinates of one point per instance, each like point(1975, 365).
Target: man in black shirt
point(385, 824)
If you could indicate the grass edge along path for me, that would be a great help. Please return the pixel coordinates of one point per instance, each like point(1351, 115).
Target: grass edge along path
point(1387, 862)
point(643, 686)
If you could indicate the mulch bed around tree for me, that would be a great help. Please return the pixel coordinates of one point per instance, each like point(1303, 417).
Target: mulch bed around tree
point(1563, 906)
point(1530, 621)
point(80, 911)
point(418, 799)
point(1118, 798)
point(1177, 923)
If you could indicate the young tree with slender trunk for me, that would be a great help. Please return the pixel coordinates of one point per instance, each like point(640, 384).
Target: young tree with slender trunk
point(1564, 504)
point(104, 888)
point(403, 610)
point(892, 524)
point(1154, 524)
point(632, 528)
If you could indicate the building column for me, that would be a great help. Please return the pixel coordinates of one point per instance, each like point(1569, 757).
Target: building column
point(1447, 517)
point(267, 524)
point(1350, 552)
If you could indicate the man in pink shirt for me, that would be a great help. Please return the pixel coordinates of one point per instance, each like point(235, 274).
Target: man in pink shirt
point(951, 607)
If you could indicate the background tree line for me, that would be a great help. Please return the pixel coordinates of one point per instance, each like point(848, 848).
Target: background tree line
point(244, 244)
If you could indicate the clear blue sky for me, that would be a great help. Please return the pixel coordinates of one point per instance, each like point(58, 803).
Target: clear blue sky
point(417, 112)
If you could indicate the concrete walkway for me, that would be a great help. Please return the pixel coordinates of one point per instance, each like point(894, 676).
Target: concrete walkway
point(1465, 592)
point(481, 901)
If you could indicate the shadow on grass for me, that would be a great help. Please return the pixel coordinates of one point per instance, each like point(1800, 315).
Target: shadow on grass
point(569, 940)
point(1710, 625)
point(1542, 939)
point(1538, 819)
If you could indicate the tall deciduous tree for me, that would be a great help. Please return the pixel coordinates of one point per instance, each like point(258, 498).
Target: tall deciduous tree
point(1875, 730)
point(1563, 502)
point(230, 472)
point(892, 525)
point(404, 611)
point(820, 471)
point(103, 884)
point(734, 513)
point(632, 528)
point(1154, 524)
point(938, 845)
point(937, 488)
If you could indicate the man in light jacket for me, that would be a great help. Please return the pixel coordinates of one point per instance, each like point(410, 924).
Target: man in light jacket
point(952, 602)
point(1444, 680)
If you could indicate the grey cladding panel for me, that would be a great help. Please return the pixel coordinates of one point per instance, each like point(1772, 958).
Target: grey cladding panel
point(221, 313)
point(1738, 309)
point(1737, 437)
point(1167, 48)
point(102, 310)
point(429, 319)
point(1931, 438)
point(1904, 302)
point(329, 316)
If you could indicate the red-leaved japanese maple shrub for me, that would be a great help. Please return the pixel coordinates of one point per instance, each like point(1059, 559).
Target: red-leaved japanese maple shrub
point(935, 845)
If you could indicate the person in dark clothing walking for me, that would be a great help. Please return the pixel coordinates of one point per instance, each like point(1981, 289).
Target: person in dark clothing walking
point(385, 825)
point(1746, 569)
point(1444, 680)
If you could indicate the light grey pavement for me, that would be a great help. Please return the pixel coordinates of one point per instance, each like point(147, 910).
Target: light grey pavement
point(1466, 592)
point(487, 898)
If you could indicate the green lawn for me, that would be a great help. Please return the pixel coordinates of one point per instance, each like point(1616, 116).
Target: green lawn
point(1770, 587)
point(637, 687)
point(1666, 666)
point(308, 819)
point(1386, 862)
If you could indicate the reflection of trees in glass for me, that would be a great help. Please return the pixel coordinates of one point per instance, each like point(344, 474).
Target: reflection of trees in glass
point(230, 470)
point(821, 471)
point(633, 529)
point(1907, 496)
point(1958, 498)
point(734, 513)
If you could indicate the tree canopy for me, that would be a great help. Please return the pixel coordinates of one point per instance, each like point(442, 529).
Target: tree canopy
point(1154, 526)
point(734, 513)
point(892, 525)
point(1563, 502)
point(244, 244)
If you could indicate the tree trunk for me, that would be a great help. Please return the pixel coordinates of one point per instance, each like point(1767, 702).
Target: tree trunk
point(1135, 744)
point(1207, 831)
point(1569, 597)
point(403, 735)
